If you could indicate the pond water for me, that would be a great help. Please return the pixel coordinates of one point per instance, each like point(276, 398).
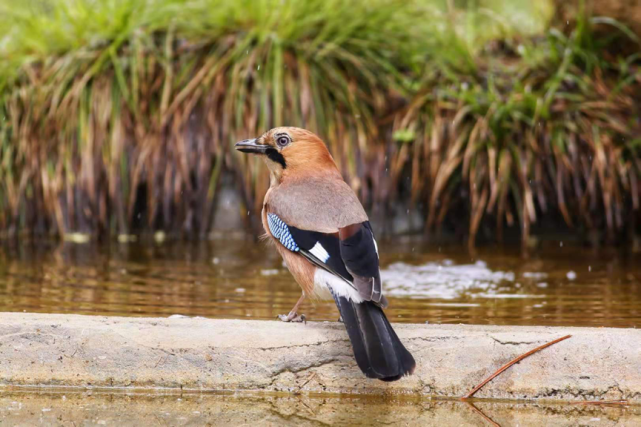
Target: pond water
point(126, 409)
point(558, 285)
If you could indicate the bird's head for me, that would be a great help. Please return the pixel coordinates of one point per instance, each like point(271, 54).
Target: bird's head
point(290, 151)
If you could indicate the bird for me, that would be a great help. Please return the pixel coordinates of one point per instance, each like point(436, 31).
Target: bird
point(323, 234)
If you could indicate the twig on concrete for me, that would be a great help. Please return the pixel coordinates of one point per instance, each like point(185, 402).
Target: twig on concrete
point(517, 360)
point(485, 417)
point(309, 378)
point(160, 359)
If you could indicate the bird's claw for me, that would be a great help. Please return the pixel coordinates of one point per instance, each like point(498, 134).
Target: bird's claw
point(284, 318)
point(293, 317)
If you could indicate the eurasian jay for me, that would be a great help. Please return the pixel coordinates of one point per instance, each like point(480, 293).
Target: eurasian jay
point(323, 234)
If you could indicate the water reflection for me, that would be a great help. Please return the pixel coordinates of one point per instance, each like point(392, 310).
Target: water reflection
point(243, 279)
point(130, 409)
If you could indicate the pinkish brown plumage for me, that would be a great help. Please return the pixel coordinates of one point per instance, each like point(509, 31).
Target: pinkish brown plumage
point(323, 234)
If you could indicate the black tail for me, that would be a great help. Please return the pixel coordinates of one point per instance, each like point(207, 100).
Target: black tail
point(377, 349)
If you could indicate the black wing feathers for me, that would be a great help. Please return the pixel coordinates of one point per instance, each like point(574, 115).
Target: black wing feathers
point(307, 240)
point(358, 250)
point(359, 253)
point(350, 254)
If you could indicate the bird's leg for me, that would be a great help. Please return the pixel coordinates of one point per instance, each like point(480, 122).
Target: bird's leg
point(293, 315)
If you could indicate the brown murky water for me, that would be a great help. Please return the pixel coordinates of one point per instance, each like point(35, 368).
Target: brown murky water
point(65, 408)
point(235, 278)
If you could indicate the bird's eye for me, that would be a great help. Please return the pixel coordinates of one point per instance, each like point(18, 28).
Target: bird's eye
point(283, 140)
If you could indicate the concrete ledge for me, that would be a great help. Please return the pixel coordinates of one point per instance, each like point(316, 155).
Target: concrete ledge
point(205, 354)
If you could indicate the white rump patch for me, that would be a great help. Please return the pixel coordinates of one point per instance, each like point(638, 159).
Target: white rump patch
point(324, 280)
point(319, 252)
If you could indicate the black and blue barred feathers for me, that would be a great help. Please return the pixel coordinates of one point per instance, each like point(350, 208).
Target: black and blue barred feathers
point(280, 231)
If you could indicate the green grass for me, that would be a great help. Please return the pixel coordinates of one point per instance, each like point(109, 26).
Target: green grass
point(118, 114)
point(544, 127)
point(103, 91)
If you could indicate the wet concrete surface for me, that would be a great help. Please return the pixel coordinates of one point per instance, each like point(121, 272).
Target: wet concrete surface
point(182, 353)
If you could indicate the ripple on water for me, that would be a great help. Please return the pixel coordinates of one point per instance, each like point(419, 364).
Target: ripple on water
point(445, 280)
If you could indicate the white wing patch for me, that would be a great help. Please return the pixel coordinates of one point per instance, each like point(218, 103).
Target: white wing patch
point(319, 252)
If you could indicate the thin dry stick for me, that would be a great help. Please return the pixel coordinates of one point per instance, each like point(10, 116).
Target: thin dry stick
point(517, 360)
point(485, 417)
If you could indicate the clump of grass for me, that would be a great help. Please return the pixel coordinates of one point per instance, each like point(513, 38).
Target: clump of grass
point(544, 127)
point(119, 115)
point(120, 112)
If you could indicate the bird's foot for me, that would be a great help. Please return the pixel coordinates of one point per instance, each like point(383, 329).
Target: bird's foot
point(293, 317)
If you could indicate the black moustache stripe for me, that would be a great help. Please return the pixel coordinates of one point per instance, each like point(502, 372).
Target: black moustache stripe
point(275, 156)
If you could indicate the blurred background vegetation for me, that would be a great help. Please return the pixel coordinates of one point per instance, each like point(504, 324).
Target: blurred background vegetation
point(478, 119)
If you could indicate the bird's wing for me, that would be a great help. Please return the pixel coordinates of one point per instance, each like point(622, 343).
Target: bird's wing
point(351, 254)
point(359, 253)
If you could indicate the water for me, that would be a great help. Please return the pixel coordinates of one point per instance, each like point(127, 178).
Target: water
point(239, 278)
point(236, 278)
point(126, 409)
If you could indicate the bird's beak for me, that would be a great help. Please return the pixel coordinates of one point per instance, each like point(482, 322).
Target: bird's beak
point(251, 146)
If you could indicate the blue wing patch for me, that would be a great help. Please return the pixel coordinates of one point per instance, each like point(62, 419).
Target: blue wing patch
point(280, 231)
point(321, 249)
